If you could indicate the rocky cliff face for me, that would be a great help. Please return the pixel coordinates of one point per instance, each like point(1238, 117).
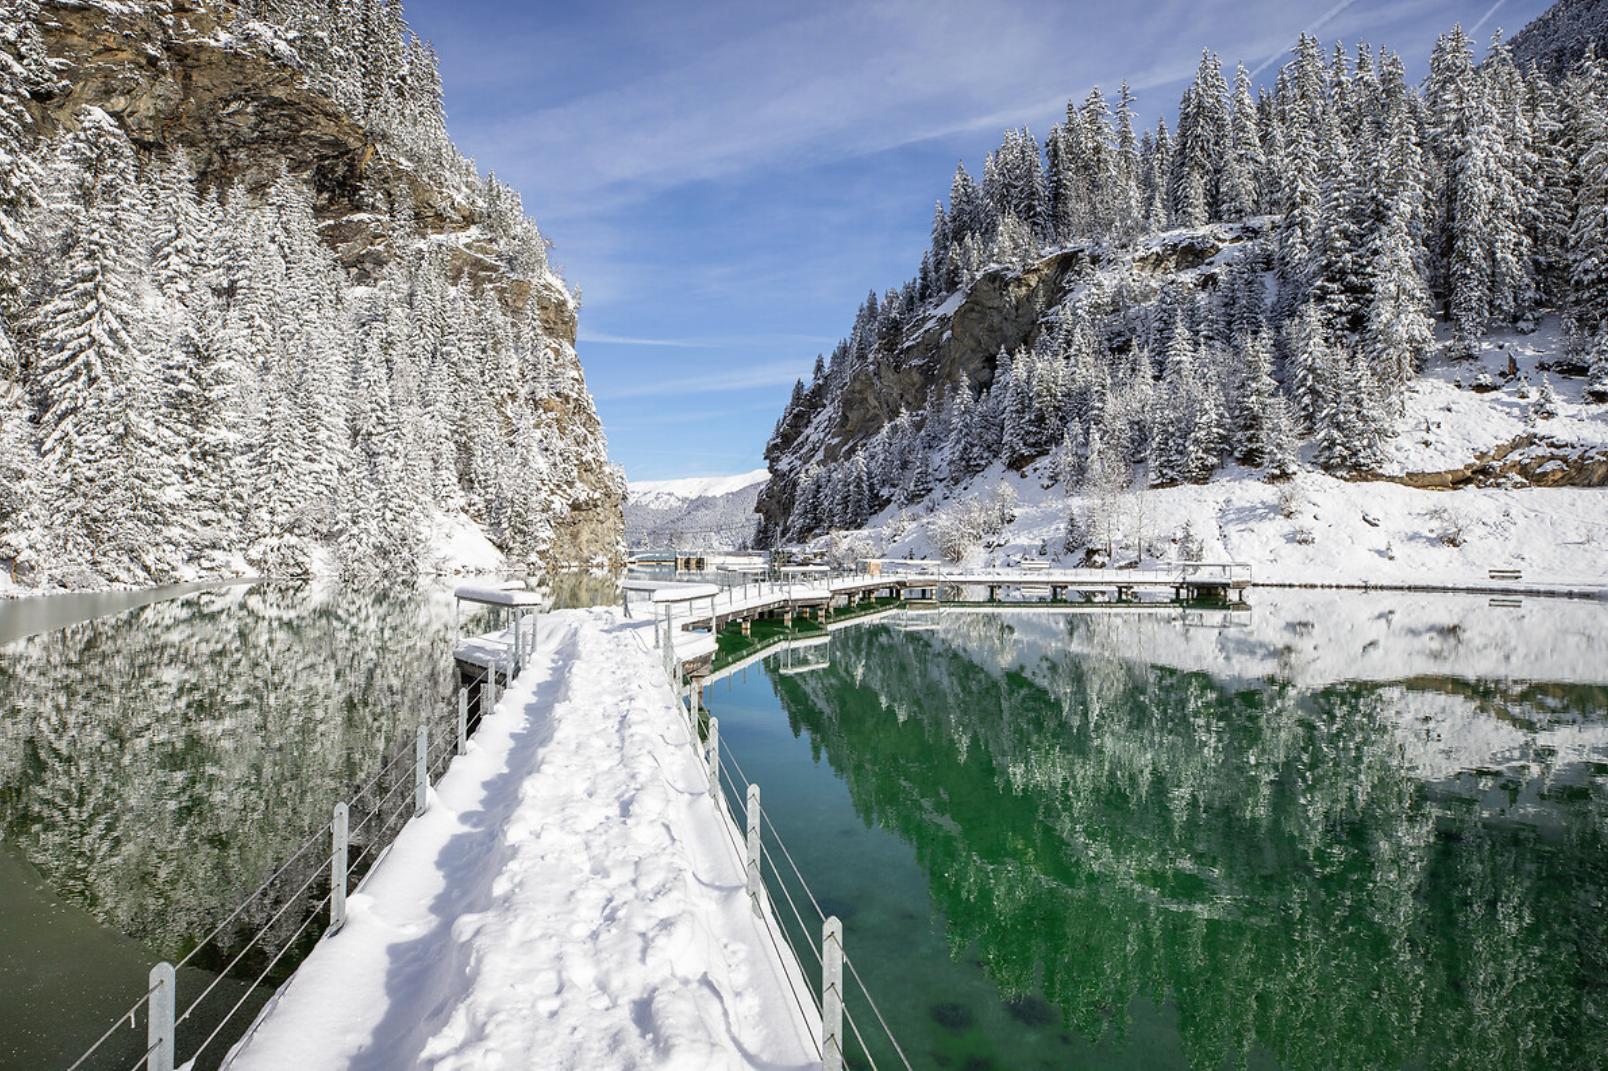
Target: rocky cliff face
point(245, 100)
point(960, 344)
point(1005, 310)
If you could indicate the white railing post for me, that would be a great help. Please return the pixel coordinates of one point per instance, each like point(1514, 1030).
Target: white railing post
point(159, 1030)
point(421, 774)
point(754, 880)
point(519, 643)
point(463, 721)
point(832, 995)
point(714, 757)
point(488, 697)
point(337, 869)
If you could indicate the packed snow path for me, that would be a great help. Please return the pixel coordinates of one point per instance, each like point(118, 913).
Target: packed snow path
point(570, 899)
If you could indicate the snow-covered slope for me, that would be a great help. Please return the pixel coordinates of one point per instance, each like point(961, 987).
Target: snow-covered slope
point(705, 513)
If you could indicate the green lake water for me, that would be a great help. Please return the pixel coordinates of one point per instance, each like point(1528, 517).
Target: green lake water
point(1337, 831)
point(157, 764)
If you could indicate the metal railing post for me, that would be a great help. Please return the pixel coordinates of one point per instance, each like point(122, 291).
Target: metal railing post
point(337, 869)
point(832, 995)
point(463, 721)
point(159, 1031)
point(714, 757)
point(421, 772)
point(755, 885)
point(488, 697)
point(519, 643)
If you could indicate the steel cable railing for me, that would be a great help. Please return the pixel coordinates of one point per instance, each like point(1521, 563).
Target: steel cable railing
point(437, 759)
point(129, 1015)
point(737, 777)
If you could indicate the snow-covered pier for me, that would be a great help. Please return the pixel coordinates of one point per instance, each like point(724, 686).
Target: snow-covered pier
point(571, 897)
point(804, 592)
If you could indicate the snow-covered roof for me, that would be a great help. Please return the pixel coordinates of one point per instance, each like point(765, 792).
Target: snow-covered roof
point(499, 596)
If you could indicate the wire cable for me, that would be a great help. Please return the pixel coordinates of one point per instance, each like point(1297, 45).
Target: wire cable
point(263, 929)
point(113, 1029)
point(324, 831)
point(317, 909)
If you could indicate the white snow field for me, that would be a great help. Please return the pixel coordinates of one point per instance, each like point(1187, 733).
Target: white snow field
point(570, 899)
point(667, 494)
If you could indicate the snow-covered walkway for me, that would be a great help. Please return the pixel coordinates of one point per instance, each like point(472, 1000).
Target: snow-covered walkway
point(569, 900)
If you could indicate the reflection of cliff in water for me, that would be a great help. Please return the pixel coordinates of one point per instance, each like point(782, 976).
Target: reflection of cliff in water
point(155, 766)
point(1268, 859)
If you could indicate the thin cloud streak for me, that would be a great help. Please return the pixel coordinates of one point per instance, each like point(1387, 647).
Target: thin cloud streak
point(1485, 18)
point(621, 340)
point(1313, 29)
point(774, 374)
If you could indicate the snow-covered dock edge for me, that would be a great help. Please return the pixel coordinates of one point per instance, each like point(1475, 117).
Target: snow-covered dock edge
point(572, 897)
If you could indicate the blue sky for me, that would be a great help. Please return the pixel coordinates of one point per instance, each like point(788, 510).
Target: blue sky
point(726, 180)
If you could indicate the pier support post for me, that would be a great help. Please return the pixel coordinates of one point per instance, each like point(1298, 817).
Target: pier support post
point(747, 627)
point(463, 721)
point(714, 758)
point(337, 869)
point(832, 995)
point(159, 1030)
point(421, 771)
point(754, 886)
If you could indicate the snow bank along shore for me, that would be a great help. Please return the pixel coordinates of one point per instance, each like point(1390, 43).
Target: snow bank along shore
point(570, 899)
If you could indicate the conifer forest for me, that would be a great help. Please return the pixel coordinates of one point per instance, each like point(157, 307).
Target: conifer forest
point(1351, 224)
point(224, 356)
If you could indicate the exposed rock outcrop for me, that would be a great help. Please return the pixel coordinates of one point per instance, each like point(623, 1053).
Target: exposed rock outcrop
point(1529, 460)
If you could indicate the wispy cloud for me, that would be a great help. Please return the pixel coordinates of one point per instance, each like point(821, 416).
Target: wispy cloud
point(772, 374)
point(1485, 18)
point(620, 340)
point(842, 78)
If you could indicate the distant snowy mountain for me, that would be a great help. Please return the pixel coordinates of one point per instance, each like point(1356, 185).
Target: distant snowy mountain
point(705, 512)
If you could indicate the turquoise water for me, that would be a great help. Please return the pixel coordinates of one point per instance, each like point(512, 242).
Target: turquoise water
point(1352, 832)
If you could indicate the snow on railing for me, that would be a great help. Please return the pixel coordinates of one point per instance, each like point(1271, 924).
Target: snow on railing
point(384, 815)
point(829, 1004)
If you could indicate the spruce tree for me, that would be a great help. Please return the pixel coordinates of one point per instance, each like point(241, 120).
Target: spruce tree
point(1399, 333)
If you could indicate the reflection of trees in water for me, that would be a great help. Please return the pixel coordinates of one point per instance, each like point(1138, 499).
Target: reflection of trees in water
point(157, 765)
point(1261, 857)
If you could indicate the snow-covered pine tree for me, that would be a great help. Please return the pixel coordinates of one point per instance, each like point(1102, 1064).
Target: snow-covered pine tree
point(1124, 192)
point(1307, 347)
point(1097, 163)
point(1242, 158)
point(180, 229)
point(1587, 249)
point(1348, 425)
point(1399, 333)
point(20, 193)
point(1200, 145)
point(105, 477)
point(1251, 400)
point(1282, 461)
point(968, 215)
